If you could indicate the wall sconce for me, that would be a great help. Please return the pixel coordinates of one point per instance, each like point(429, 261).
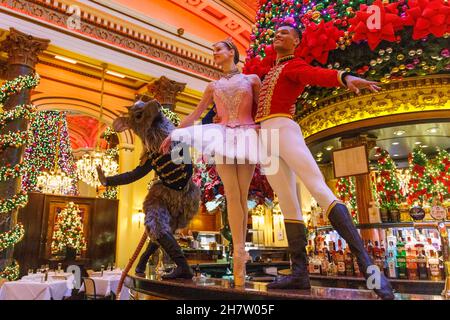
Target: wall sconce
point(139, 217)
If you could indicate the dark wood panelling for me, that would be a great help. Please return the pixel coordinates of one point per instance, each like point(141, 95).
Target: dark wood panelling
point(27, 250)
point(100, 227)
point(103, 233)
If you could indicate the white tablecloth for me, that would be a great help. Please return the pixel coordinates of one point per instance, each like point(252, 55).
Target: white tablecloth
point(34, 290)
point(107, 284)
point(38, 276)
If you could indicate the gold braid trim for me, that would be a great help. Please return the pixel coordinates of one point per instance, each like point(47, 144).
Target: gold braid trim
point(165, 175)
point(265, 101)
point(184, 175)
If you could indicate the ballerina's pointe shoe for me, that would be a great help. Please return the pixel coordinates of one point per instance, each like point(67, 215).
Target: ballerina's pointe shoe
point(239, 268)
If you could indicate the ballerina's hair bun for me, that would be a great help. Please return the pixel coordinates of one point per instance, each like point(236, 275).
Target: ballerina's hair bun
point(229, 43)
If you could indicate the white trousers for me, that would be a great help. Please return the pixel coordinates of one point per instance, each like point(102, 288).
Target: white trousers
point(294, 159)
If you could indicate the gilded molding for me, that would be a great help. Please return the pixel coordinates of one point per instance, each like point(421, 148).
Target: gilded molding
point(410, 95)
point(22, 48)
point(165, 90)
point(121, 36)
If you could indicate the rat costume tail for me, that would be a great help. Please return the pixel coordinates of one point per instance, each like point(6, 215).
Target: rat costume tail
point(130, 263)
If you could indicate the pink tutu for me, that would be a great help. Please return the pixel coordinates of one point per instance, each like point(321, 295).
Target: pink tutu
point(223, 143)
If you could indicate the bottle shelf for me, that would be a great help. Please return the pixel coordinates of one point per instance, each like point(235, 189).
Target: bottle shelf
point(389, 225)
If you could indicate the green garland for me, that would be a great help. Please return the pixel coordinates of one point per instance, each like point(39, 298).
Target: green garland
point(10, 238)
point(14, 139)
point(172, 116)
point(11, 272)
point(110, 193)
point(17, 201)
point(18, 84)
point(9, 172)
point(24, 111)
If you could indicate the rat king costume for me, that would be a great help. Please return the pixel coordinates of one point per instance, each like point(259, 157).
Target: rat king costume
point(173, 199)
point(283, 82)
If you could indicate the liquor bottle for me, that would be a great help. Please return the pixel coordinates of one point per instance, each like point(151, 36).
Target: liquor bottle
point(317, 265)
point(401, 261)
point(391, 265)
point(411, 265)
point(310, 263)
point(332, 250)
point(370, 249)
point(377, 256)
point(309, 248)
point(356, 269)
point(433, 265)
point(332, 269)
point(349, 263)
point(340, 259)
point(325, 261)
point(422, 263)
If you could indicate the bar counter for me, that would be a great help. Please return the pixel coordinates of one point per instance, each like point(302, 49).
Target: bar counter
point(201, 288)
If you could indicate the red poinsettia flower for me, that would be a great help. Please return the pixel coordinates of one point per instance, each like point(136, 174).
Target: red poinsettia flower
point(366, 25)
point(318, 40)
point(428, 17)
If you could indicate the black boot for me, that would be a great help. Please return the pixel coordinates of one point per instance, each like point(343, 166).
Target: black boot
point(170, 245)
point(142, 264)
point(299, 278)
point(342, 222)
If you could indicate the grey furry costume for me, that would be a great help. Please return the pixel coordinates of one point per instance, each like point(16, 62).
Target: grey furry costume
point(172, 200)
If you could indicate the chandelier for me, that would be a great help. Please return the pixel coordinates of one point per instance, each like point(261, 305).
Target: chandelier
point(55, 182)
point(87, 165)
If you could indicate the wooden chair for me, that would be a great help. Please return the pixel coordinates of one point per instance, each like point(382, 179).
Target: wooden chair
point(90, 272)
point(90, 292)
point(2, 281)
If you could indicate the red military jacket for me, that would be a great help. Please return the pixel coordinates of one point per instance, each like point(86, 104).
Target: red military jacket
point(285, 82)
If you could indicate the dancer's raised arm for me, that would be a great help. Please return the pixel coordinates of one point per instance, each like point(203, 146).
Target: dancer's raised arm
point(206, 101)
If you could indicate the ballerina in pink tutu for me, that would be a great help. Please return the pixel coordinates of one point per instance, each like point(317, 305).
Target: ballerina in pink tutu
point(230, 141)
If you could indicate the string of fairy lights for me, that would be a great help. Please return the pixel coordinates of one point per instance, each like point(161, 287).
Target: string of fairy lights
point(14, 140)
point(335, 34)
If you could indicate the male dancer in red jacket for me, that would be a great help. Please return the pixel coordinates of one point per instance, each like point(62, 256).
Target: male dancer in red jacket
point(281, 86)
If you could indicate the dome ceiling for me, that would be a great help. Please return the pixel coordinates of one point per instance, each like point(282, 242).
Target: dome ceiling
point(209, 20)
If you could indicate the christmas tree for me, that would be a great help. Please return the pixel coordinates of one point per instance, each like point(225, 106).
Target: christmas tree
point(440, 175)
point(421, 183)
point(387, 184)
point(407, 38)
point(346, 191)
point(49, 149)
point(68, 230)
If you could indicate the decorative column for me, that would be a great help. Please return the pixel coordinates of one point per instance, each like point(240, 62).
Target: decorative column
point(23, 51)
point(363, 190)
point(165, 91)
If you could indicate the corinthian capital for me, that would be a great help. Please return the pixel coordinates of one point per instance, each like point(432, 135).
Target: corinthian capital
point(165, 90)
point(22, 48)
